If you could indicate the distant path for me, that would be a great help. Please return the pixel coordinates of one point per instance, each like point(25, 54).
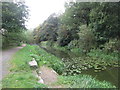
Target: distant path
point(4, 60)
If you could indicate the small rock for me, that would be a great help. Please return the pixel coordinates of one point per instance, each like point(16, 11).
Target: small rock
point(39, 72)
point(40, 80)
point(33, 63)
point(53, 71)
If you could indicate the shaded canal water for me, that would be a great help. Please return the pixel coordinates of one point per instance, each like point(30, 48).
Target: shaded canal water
point(110, 74)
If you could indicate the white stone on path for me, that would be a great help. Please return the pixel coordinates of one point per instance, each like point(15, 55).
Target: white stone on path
point(33, 63)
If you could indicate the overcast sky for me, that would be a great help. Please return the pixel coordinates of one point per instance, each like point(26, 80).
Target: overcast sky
point(41, 9)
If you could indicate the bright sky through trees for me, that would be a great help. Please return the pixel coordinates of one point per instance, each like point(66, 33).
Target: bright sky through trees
point(41, 9)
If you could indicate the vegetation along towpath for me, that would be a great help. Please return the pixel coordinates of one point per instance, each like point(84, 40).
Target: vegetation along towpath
point(6, 56)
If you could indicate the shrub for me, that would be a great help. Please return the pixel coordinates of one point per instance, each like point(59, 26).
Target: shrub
point(66, 35)
point(99, 54)
point(112, 46)
point(86, 40)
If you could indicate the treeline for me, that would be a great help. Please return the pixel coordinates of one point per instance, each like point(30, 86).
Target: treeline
point(14, 16)
point(85, 25)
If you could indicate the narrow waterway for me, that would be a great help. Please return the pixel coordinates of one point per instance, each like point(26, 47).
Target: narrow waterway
point(110, 74)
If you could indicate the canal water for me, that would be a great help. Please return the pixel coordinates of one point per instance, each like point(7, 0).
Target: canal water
point(110, 74)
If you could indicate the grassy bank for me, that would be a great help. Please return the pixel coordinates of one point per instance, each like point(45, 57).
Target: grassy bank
point(21, 74)
point(44, 58)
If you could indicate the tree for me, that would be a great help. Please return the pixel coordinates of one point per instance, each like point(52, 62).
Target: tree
point(75, 15)
point(64, 36)
point(14, 16)
point(49, 29)
point(104, 21)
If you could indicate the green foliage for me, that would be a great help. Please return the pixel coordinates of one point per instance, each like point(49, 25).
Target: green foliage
point(77, 50)
point(104, 21)
point(14, 16)
point(97, 17)
point(86, 40)
point(50, 60)
point(48, 30)
point(96, 59)
point(100, 54)
point(82, 81)
point(75, 14)
point(64, 36)
point(22, 80)
point(28, 37)
point(112, 46)
point(12, 39)
point(56, 46)
point(36, 33)
point(89, 22)
point(43, 43)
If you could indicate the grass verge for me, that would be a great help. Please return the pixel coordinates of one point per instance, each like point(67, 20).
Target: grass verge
point(21, 74)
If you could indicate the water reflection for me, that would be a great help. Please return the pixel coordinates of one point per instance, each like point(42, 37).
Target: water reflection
point(110, 75)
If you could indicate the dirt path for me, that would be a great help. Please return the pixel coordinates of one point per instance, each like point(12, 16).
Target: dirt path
point(4, 60)
point(49, 76)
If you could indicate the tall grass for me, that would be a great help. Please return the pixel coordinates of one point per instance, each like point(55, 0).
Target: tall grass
point(82, 81)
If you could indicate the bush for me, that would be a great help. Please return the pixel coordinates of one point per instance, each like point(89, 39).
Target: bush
point(66, 35)
point(11, 39)
point(86, 40)
point(99, 54)
point(112, 46)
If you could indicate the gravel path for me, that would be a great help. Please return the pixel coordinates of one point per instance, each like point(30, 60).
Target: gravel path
point(4, 60)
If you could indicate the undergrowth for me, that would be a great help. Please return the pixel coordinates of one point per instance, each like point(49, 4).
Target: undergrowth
point(21, 74)
point(82, 81)
point(44, 58)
